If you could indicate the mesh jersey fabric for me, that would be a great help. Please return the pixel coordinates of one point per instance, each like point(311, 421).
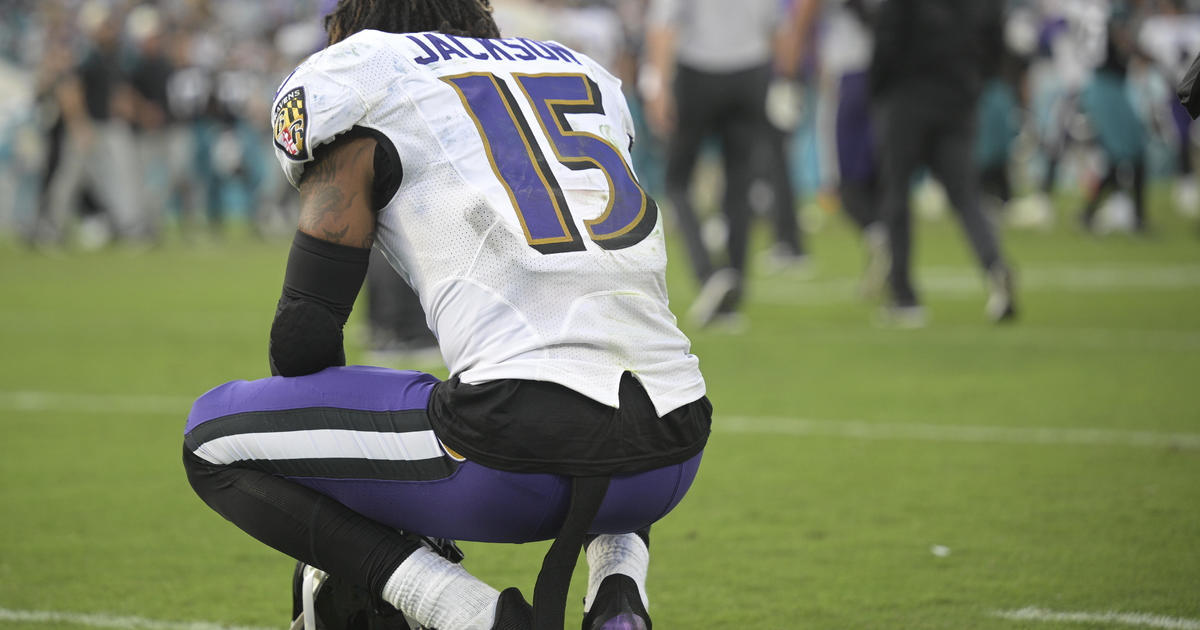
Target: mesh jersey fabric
point(468, 118)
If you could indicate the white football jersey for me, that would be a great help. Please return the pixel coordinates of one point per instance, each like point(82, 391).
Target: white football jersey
point(1082, 47)
point(519, 222)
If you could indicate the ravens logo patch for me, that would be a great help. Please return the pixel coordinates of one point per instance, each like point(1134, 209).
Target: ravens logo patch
point(290, 125)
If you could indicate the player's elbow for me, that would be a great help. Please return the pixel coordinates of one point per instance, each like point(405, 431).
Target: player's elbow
point(306, 337)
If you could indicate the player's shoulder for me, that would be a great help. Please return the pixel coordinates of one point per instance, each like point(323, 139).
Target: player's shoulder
point(331, 91)
point(599, 70)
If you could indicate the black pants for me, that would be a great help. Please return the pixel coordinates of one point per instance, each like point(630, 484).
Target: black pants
point(860, 200)
point(731, 106)
point(941, 137)
point(301, 522)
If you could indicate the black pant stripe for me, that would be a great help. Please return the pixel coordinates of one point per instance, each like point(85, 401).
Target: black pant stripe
point(352, 468)
point(308, 419)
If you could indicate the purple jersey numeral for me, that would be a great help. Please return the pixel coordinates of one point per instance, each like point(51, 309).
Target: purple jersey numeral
point(519, 163)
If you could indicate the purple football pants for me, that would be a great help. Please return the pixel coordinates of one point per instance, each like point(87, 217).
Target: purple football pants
point(360, 435)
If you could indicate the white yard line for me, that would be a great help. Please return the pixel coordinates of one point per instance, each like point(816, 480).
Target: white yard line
point(953, 281)
point(104, 620)
point(764, 425)
point(95, 403)
point(1146, 340)
point(1143, 620)
point(862, 430)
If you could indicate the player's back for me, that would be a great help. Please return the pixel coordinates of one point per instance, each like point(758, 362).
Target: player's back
point(518, 220)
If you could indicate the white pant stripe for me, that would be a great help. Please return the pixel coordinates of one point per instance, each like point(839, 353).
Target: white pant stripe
point(321, 444)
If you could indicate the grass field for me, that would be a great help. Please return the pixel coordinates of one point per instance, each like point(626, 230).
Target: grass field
point(1042, 475)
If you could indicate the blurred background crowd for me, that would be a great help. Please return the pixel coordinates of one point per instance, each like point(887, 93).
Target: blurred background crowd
point(128, 121)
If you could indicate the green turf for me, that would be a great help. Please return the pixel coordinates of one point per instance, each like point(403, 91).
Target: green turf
point(794, 522)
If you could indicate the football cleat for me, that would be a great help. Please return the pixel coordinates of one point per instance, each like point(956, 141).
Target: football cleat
point(618, 606)
point(1001, 305)
point(306, 583)
point(512, 611)
point(879, 261)
point(907, 317)
point(715, 298)
point(323, 602)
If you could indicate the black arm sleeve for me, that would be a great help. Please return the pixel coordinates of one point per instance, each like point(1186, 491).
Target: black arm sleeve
point(319, 288)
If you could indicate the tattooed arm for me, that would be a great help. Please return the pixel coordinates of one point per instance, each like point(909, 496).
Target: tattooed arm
point(328, 260)
point(335, 193)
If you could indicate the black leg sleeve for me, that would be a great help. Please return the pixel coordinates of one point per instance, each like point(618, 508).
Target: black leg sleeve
point(302, 523)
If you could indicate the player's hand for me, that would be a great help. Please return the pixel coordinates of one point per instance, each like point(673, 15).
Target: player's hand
point(660, 114)
point(785, 104)
point(658, 101)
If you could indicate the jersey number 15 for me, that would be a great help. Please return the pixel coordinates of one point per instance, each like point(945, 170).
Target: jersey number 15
point(518, 162)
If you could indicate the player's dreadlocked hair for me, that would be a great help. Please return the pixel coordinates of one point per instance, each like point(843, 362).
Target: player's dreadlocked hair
point(469, 18)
